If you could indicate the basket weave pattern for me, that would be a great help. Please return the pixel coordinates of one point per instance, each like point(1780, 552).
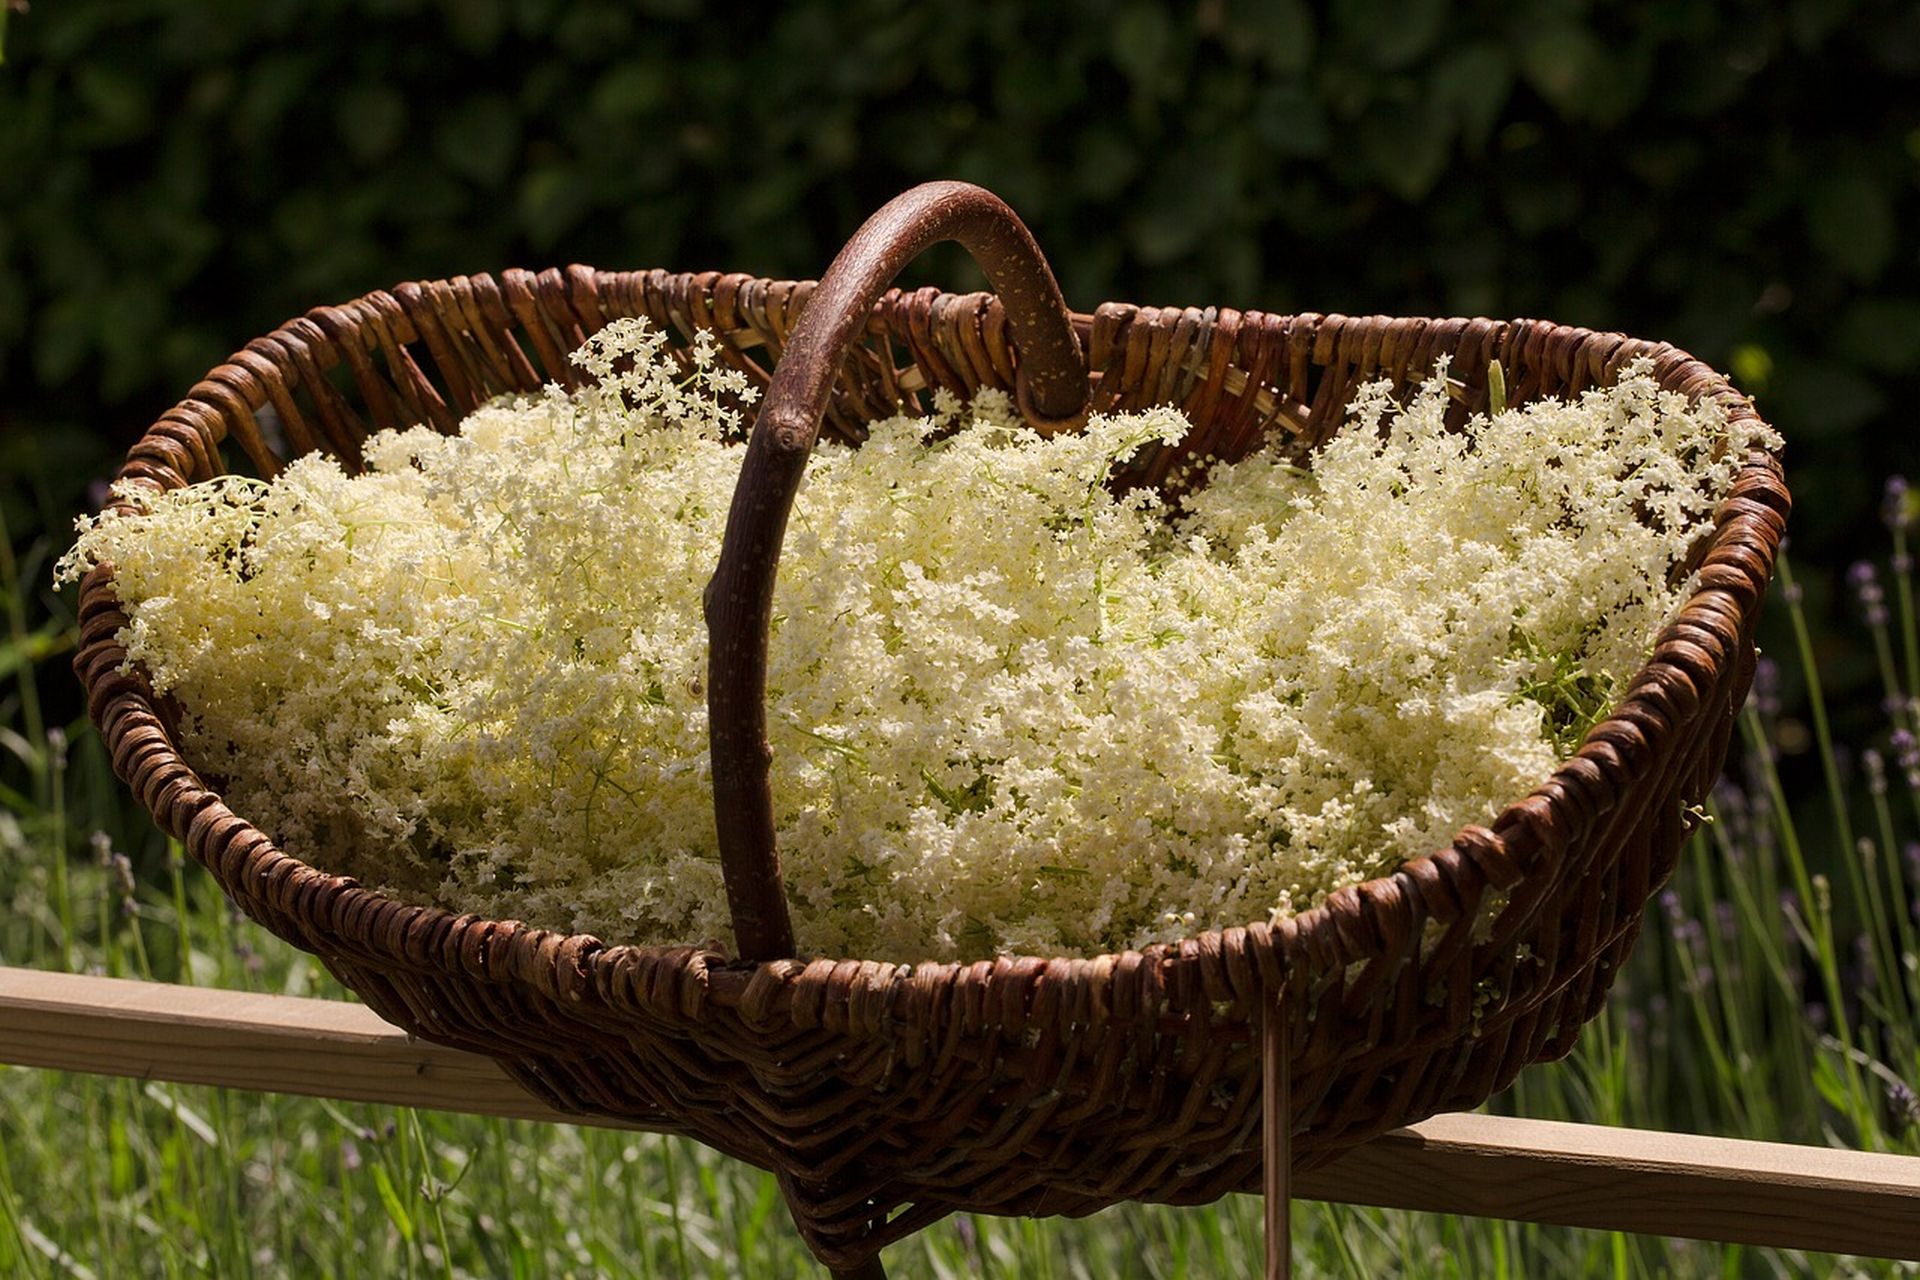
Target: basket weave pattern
point(887, 1096)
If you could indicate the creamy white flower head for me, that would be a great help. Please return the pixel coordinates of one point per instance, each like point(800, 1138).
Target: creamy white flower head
point(1010, 709)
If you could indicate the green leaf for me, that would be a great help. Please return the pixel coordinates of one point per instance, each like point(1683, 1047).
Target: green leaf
point(116, 102)
point(132, 316)
point(631, 91)
point(34, 647)
point(13, 307)
point(1884, 333)
point(1405, 145)
point(1105, 161)
point(1562, 61)
point(1290, 120)
point(390, 1199)
point(1822, 397)
point(371, 119)
point(1140, 36)
point(475, 25)
point(1540, 198)
point(552, 202)
point(1279, 32)
point(67, 335)
point(1391, 34)
point(277, 86)
point(1826, 1078)
point(1474, 83)
point(481, 139)
point(1850, 220)
point(190, 1120)
point(1182, 207)
point(974, 797)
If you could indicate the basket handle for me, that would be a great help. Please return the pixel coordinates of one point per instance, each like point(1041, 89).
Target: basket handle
point(1051, 391)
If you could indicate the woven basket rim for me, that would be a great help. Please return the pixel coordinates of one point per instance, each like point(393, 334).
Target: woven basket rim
point(1339, 931)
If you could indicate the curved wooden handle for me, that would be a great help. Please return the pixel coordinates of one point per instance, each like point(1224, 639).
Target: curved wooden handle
point(1051, 390)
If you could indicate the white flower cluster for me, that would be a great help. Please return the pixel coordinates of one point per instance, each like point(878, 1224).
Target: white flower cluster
point(1010, 710)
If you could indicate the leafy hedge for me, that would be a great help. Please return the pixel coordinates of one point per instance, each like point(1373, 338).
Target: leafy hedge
point(177, 175)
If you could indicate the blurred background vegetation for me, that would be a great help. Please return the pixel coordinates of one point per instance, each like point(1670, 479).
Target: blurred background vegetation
point(177, 176)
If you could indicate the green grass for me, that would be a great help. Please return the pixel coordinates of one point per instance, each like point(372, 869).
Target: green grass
point(1773, 997)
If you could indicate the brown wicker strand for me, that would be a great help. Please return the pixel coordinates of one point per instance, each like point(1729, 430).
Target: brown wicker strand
point(1052, 392)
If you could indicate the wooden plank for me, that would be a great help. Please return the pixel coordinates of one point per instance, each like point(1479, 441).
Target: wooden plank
point(241, 1040)
point(1652, 1183)
point(1485, 1166)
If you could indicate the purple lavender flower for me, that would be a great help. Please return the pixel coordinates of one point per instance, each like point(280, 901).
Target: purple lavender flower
point(1730, 798)
point(118, 866)
point(1766, 687)
point(122, 868)
point(1903, 1107)
point(1906, 754)
point(1863, 957)
point(1894, 508)
point(1670, 903)
point(1864, 580)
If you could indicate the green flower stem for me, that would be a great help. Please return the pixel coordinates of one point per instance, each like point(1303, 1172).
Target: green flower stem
point(1877, 921)
point(1817, 923)
point(62, 868)
point(1817, 703)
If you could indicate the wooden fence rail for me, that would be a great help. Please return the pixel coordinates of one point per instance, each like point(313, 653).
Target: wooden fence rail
point(1575, 1175)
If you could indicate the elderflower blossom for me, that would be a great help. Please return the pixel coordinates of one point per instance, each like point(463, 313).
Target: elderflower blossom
point(1010, 709)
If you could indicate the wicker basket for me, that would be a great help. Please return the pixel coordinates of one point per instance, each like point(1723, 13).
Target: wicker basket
point(886, 1096)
